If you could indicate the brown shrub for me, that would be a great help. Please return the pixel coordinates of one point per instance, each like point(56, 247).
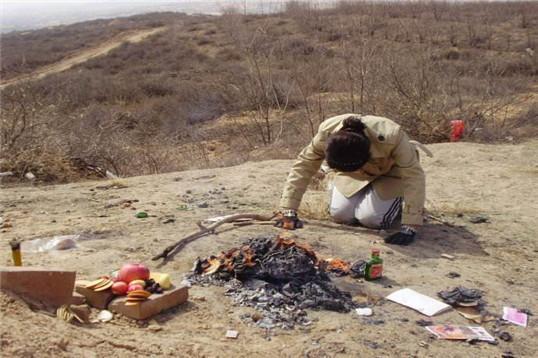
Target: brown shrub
point(421, 64)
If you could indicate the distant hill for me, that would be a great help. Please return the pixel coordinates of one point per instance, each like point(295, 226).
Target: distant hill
point(206, 91)
point(19, 16)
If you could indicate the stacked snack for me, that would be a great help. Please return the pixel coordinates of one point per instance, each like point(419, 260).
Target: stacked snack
point(137, 296)
point(101, 284)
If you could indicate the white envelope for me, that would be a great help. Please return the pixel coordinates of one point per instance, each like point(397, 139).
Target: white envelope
point(417, 301)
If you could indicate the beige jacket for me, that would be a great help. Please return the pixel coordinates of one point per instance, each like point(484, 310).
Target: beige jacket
point(393, 169)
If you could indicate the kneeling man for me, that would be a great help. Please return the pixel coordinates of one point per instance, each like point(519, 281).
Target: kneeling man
point(378, 176)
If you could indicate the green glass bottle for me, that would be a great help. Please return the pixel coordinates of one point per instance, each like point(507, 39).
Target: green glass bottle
point(374, 267)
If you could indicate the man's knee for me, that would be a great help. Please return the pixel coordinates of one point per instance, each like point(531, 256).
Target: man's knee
point(378, 214)
point(369, 218)
point(342, 214)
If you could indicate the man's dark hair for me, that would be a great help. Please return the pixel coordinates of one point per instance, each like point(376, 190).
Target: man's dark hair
point(349, 148)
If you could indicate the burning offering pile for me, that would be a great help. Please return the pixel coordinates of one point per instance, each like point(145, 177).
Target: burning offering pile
point(277, 276)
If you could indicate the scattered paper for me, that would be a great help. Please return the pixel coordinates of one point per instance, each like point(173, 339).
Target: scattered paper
point(364, 311)
point(419, 302)
point(232, 334)
point(513, 315)
point(473, 314)
point(448, 331)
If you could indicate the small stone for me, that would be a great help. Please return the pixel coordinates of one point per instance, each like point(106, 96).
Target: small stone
point(479, 219)
point(203, 205)
point(155, 328)
point(377, 322)
point(256, 316)
point(505, 336)
point(105, 316)
point(453, 274)
point(424, 323)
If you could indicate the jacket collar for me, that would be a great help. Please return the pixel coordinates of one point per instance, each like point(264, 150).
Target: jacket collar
point(375, 150)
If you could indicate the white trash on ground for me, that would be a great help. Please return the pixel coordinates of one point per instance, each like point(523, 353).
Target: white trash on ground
point(55, 243)
point(364, 311)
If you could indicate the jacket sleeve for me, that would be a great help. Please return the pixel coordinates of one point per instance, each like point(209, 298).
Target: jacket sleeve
point(413, 180)
point(307, 164)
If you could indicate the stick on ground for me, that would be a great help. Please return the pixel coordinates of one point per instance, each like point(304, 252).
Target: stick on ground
point(173, 249)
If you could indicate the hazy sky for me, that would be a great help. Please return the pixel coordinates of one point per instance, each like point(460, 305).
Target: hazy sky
point(29, 14)
point(32, 14)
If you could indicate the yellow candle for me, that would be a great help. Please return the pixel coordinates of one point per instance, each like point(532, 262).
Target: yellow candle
point(16, 252)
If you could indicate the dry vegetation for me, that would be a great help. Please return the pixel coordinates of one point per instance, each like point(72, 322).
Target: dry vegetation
point(23, 52)
point(212, 91)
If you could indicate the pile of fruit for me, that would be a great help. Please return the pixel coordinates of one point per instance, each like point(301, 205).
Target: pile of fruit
point(134, 281)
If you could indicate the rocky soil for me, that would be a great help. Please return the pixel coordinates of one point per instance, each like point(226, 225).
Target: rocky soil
point(496, 182)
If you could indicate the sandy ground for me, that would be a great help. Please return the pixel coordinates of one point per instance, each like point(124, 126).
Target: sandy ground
point(84, 55)
point(464, 179)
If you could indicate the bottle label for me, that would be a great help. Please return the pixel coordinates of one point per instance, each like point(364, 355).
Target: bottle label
point(376, 271)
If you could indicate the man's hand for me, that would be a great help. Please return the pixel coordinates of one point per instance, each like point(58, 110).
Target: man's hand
point(404, 237)
point(288, 219)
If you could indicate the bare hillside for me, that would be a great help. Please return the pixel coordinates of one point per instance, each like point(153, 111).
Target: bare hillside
point(83, 56)
point(463, 180)
point(207, 91)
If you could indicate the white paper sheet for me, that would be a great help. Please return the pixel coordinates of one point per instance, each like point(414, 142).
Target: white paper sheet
point(417, 301)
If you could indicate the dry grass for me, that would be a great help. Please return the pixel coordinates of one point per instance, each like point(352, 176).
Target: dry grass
point(23, 52)
point(149, 107)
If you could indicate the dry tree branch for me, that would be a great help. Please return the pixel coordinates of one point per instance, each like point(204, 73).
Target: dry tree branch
point(203, 230)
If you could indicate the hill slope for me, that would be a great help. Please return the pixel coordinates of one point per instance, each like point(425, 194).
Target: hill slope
point(84, 55)
point(464, 179)
point(213, 84)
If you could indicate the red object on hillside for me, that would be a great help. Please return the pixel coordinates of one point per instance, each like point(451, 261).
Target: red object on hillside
point(458, 126)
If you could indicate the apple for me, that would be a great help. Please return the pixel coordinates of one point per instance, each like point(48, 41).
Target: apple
point(119, 288)
point(135, 288)
point(131, 272)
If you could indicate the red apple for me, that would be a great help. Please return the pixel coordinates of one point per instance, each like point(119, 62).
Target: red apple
point(135, 288)
point(130, 272)
point(119, 288)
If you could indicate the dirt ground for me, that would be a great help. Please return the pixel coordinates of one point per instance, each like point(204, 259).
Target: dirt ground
point(463, 179)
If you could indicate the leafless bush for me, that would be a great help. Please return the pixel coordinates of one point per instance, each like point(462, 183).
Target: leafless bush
point(146, 107)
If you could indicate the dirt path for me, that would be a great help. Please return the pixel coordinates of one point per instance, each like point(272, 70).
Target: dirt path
point(84, 56)
point(464, 179)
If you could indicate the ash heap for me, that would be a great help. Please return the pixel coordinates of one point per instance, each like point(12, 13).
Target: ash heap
point(278, 277)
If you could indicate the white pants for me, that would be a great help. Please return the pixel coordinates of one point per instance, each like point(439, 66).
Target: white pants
point(366, 207)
